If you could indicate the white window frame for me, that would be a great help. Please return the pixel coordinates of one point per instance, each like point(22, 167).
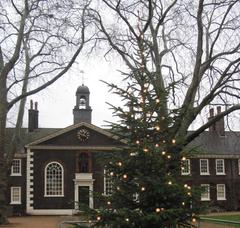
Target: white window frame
point(223, 167)
point(205, 196)
point(224, 192)
point(188, 169)
point(106, 177)
point(13, 173)
point(45, 181)
point(13, 201)
point(200, 164)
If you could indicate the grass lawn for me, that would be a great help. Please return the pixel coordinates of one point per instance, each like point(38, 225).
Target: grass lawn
point(234, 218)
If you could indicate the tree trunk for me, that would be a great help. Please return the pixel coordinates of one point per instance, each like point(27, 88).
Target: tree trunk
point(3, 171)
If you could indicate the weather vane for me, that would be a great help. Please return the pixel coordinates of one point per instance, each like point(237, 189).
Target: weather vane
point(82, 76)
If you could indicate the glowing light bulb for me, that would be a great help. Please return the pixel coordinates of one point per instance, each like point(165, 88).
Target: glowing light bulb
point(169, 156)
point(119, 163)
point(108, 203)
point(157, 100)
point(173, 141)
point(111, 173)
point(137, 142)
point(146, 85)
point(183, 158)
point(185, 185)
point(118, 188)
point(145, 149)
point(163, 152)
point(158, 210)
point(98, 218)
point(193, 220)
point(156, 145)
point(183, 203)
point(170, 182)
point(125, 176)
point(143, 189)
point(127, 219)
point(157, 128)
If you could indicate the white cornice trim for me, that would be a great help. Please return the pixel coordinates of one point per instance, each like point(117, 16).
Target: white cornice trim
point(72, 127)
point(20, 155)
point(92, 148)
point(50, 211)
point(216, 156)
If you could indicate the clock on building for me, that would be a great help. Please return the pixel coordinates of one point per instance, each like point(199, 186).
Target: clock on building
point(83, 134)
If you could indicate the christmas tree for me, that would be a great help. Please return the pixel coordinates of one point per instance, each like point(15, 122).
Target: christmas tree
point(147, 187)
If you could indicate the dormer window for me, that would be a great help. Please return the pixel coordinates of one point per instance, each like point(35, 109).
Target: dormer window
point(82, 103)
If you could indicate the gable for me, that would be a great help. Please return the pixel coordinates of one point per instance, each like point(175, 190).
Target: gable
point(69, 137)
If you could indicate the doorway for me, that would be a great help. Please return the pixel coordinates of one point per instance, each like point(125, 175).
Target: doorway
point(83, 195)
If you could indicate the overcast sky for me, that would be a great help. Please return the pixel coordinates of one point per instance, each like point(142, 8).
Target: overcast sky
point(55, 104)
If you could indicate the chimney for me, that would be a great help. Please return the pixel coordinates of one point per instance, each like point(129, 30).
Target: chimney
point(33, 117)
point(217, 127)
point(220, 128)
point(212, 128)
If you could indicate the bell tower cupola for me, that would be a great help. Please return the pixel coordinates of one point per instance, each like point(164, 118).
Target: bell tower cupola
point(82, 111)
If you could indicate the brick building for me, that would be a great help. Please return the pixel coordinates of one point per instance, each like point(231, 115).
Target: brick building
point(58, 167)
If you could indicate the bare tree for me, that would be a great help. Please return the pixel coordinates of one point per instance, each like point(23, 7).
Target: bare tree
point(182, 56)
point(191, 49)
point(39, 42)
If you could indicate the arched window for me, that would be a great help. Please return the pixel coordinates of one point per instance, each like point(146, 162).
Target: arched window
point(54, 179)
point(83, 163)
point(82, 103)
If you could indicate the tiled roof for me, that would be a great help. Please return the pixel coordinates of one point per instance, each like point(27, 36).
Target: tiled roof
point(27, 137)
point(212, 143)
point(208, 143)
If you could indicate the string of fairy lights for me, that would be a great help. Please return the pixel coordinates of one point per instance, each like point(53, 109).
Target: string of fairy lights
point(143, 189)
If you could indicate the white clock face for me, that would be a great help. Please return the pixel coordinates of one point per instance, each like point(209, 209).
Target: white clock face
point(83, 134)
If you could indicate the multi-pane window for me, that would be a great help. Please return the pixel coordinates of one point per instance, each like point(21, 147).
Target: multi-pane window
point(204, 167)
point(54, 179)
point(15, 195)
point(221, 192)
point(108, 184)
point(220, 167)
point(16, 167)
point(185, 167)
point(205, 195)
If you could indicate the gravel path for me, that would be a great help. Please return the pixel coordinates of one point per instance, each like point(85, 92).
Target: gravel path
point(53, 222)
point(34, 222)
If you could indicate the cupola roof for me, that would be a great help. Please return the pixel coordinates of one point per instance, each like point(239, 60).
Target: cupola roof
point(83, 89)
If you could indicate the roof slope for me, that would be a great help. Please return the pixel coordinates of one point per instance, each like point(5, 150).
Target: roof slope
point(212, 143)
